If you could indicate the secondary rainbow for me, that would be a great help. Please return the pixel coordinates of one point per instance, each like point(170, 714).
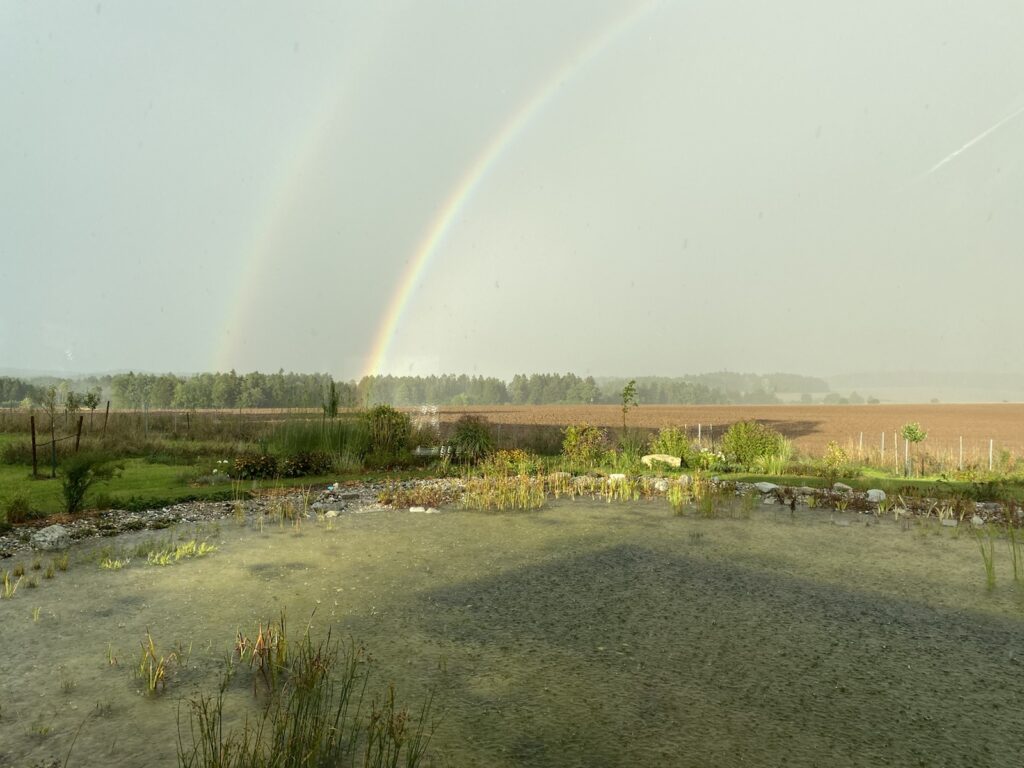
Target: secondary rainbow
point(474, 175)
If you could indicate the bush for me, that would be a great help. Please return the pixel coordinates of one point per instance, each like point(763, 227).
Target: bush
point(306, 463)
point(673, 442)
point(472, 438)
point(79, 473)
point(510, 462)
point(18, 510)
point(254, 466)
point(746, 441)
point(835, 463)
point(583, 444)
point(389, 430)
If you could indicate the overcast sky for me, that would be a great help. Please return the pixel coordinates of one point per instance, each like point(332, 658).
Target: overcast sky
point(601, 187)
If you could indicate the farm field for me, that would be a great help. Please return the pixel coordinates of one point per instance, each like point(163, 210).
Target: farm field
point(810, 427)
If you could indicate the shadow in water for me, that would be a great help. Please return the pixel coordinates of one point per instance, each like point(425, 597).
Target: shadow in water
point(632, 656)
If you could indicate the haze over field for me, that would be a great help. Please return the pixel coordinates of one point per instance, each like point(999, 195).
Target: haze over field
point(609, 188)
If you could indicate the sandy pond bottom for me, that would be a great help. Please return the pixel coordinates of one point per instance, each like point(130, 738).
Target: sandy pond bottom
point(586, 634)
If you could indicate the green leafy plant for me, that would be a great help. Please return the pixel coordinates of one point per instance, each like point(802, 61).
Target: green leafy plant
point(913, 433)
point(254, 466)
point(388, 432)
point(583, 444)
point(472, 438)
point(80, 472)
point(673, 441)
point(834, 463)
point(747, 441)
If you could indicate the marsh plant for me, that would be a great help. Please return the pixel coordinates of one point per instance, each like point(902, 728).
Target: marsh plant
point(499, 493)
point(176, 552)
point(9, 587)
point(986, 544)
point(314, 718)
point(678, 497)
point(267, 652)
point(153, 667)
point(1013, 541)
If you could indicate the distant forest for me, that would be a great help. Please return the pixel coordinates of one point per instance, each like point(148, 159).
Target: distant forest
point(311, 390)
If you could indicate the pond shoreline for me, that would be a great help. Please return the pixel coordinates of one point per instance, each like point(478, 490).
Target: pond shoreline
point(358, 496)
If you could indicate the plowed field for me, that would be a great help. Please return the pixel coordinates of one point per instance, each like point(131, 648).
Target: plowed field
point(810, 427)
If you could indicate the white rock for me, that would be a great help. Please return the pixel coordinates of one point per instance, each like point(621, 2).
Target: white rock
point(664, 458)
point(876, 495)
point(684, 480)
point(51, 537)
point(616, 477)
point(331, 513)
point(417, 509)
point(977, 521)
point(432, 511)
point(841, 487)
point(661, 485)
point(949, 522)
point(765, 487)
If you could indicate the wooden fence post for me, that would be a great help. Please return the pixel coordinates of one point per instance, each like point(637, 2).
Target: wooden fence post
point(105, 417)
point(32, 422)
point(78, 435)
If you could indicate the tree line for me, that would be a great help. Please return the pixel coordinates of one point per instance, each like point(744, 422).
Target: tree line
point(314, 390)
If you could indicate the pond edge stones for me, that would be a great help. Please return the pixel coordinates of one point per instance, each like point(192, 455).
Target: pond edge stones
point(52, 537)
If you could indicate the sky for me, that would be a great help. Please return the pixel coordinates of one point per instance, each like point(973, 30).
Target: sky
point(609, 188)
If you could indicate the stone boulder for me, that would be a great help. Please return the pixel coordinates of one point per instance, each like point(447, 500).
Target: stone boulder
point(841, 488)
point(663, 458)
point(876, 495)
point(51, 537)
point(766, 487)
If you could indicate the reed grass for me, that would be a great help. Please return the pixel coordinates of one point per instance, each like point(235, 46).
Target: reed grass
point(986, 544)
point(500, 493)
point(9, 587)
point(152, 668)
point(1014, 542)
point(313, 719)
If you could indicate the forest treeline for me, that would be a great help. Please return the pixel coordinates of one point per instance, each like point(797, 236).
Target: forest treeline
point(312, 390)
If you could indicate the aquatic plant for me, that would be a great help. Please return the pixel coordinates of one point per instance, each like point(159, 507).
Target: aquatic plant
point(1014, 543)
point(501, 493)
point(61, 562)
point(32, 582)
point(152, 668)
point(19, 570)
point(49, 572)
point(173, 552)
point(986, 544)
point(267, 653)
point(37, 564)
point(472, 438)
point(115, 563)
point(313, 720)
point(8, 587)
point(677, 496)
point(36, 612)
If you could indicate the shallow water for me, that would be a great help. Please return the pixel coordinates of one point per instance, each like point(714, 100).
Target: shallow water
point(584, 634)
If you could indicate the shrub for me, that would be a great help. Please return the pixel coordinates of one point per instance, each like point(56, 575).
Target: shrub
point(389, 430)
point(583, 444)
point(79, 473)
point(745, 441)
point(510, 462)
point(671, 441)
point(18, 510)
point(254, 466)
point(306, 463)
point(472, 438)
point(835, 463)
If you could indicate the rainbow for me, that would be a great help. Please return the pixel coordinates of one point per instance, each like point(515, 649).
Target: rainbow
point(477, 171)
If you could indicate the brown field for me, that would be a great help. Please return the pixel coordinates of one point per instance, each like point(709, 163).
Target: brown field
point(810, 427)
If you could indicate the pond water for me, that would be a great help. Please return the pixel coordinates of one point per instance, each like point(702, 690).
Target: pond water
point(583, 634)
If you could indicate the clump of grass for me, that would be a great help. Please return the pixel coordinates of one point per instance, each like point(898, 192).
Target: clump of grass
point(61, 562)
point(503, 493)
point(36, 564)
point(986, 544)
point(393, 495)
point(314, 719)
point(1014, 543)
point(174, 552)
point(153, 667)
point(267, 652)
point(32, 582)
point(677, 496)
point(19, 570)
point(49, 572)
point(115, 563)
point(8, 588)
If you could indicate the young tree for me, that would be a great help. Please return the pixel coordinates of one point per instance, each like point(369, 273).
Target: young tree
point(913, 433)
point(628, 401)
point(91, 400)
